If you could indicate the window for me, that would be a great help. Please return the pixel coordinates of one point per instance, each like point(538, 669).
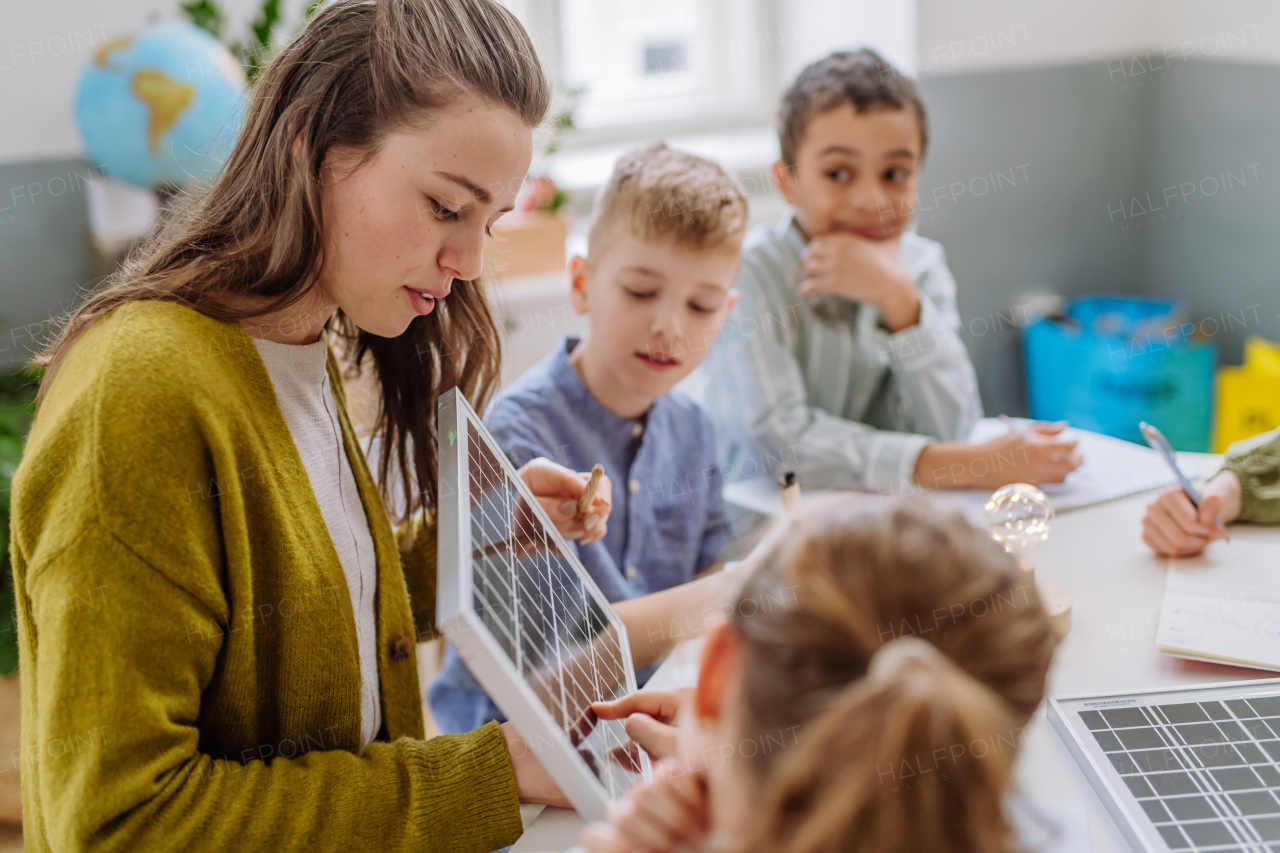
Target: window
point(641, 61)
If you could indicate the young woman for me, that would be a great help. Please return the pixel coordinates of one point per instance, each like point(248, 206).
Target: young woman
point(216, 618)
point(867, 694)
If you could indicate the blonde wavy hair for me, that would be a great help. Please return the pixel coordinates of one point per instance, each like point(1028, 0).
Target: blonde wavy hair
point(908, 653)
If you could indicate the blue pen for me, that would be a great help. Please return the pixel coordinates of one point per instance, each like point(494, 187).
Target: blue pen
point(1161, 445)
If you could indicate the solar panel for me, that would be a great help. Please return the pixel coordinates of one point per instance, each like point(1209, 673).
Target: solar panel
point(528, 620)
point(1183, 769)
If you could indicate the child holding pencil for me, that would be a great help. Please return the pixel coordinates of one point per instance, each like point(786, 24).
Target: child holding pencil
point(1246, 489)
point(656, 285)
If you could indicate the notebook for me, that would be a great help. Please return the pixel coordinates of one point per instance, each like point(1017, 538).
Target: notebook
point(1112, 469)
point(1224, 605)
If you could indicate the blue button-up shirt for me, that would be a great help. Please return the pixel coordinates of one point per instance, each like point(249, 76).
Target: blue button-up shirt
point(667, 521)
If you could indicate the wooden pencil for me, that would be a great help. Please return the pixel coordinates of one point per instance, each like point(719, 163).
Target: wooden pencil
point(589, 493)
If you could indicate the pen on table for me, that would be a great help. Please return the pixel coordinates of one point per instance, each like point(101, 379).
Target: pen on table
point(1161, 445)
point(589, 493)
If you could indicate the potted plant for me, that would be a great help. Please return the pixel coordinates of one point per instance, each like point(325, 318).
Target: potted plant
point(531, 239)
point(17, 407)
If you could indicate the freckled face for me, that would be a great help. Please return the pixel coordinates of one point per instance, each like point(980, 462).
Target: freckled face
point(855, 172)
point(401, 226)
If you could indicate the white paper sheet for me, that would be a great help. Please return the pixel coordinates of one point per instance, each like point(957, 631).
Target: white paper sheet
point(1112, 469)
point(1224, 605)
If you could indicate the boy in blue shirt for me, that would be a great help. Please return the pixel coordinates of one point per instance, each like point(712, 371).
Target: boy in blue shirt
point(656, 285)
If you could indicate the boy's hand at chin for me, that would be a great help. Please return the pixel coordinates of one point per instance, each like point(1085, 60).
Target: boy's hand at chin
point(847, 265)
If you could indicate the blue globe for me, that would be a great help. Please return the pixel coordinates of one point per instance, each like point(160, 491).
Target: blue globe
point(161, 108)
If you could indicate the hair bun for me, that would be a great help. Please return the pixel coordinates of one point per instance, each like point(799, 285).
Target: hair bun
point(893, 655)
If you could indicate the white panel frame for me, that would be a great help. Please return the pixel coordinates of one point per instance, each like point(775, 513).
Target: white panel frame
point(479, 650)
point(1106, 782)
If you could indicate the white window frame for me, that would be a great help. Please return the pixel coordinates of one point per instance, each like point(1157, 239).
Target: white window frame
point(542, 19)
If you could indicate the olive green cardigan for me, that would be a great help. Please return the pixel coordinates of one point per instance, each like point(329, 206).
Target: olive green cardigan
point(188, 657)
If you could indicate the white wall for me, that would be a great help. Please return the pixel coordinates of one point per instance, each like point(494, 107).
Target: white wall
point(45, 45)
point(814, 28)
point(977, 35)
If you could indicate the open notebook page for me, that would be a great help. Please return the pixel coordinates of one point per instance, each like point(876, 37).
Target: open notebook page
point(1224, 605)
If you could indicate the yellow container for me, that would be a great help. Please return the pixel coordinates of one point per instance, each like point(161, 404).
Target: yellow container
point(1248, 396)
point(1261, 354)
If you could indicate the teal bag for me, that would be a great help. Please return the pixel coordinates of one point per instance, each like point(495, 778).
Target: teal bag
point(1113, 361)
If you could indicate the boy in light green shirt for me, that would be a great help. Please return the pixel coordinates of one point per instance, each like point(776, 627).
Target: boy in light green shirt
point(842, 359)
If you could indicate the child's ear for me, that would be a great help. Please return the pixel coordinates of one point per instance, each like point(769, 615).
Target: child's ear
point(578, 283)
point(721, 656)
point(785, 177)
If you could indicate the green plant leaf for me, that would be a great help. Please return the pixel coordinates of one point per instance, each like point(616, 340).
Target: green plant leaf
point(265, 23)
point(17, 407)
point(21, 383)
point(16, 415)
point(8, 629)
point(10, 455)
point(205, 14)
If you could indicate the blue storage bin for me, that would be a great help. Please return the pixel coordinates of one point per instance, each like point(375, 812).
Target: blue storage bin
point(1115, 361)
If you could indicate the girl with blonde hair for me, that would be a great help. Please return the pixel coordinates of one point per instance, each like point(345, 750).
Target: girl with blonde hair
point(867, 694)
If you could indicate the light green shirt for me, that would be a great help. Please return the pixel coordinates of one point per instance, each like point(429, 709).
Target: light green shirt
point(820, 387)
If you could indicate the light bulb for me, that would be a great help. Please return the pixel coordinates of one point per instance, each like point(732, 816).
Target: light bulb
point(1019, 517)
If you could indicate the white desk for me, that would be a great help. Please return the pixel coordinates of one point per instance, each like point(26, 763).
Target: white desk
point(1116, 583)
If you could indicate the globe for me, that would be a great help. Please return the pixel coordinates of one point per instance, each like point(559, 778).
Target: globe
point(161, 108)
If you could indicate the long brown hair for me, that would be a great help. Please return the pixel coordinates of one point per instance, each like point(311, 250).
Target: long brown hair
point(359, 70)
point(898, 656)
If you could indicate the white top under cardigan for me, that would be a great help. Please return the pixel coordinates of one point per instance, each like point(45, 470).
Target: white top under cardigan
point(302, 388)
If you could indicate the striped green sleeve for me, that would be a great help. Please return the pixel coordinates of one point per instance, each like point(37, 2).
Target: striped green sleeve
point(1256, 461)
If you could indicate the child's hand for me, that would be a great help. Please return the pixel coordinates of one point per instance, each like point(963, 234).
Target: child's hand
point(862, 270)
point(1173, 527)
point(1036, 456)
point(558, 488)
point(669, 813)
point(650, 716)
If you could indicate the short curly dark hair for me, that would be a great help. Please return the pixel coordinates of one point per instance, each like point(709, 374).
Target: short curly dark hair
point(860, 77)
